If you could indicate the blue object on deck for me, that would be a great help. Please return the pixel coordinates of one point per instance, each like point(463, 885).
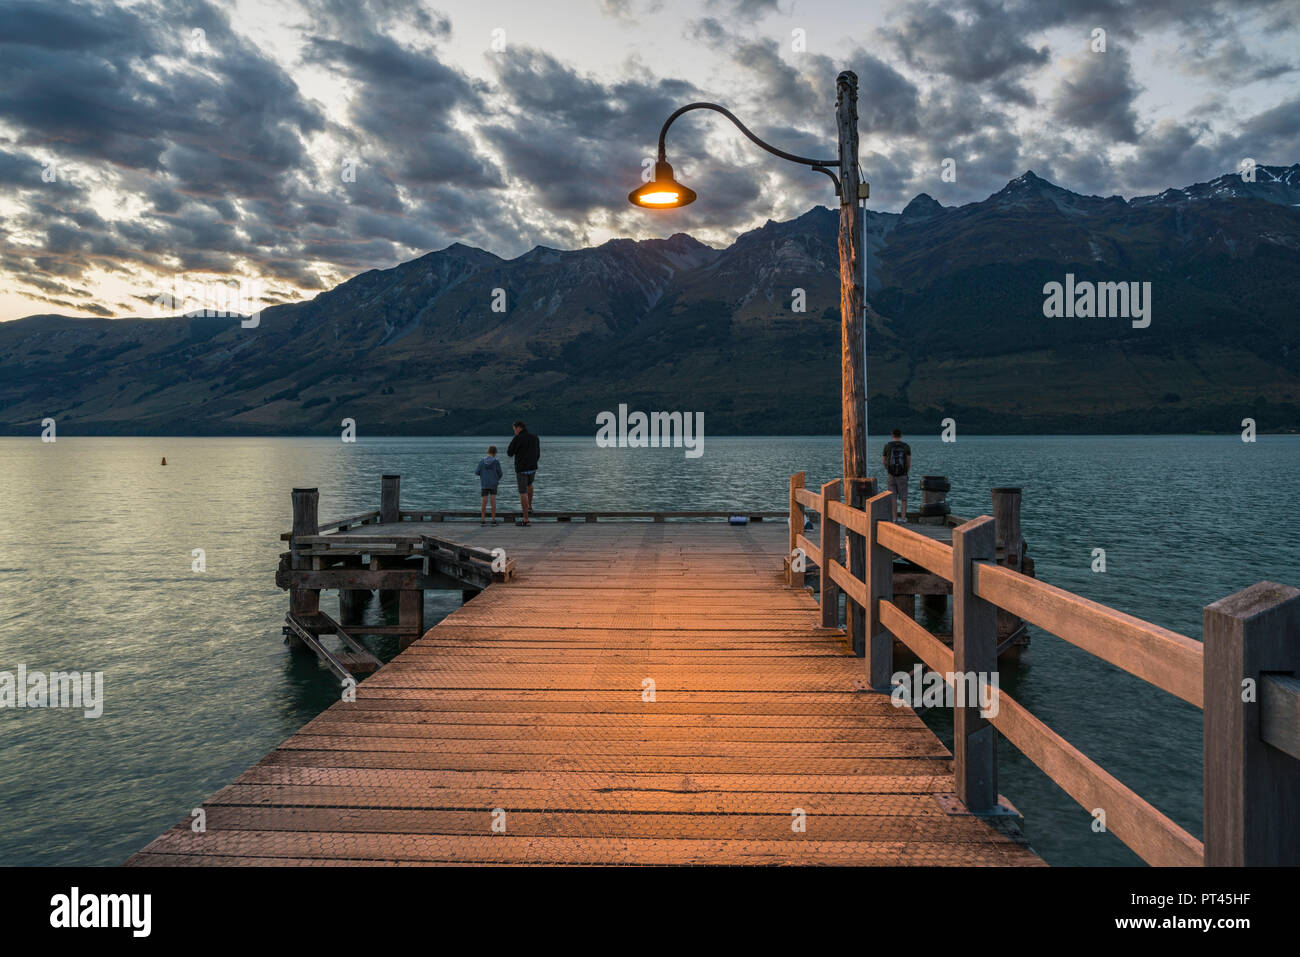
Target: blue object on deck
point(739, 520)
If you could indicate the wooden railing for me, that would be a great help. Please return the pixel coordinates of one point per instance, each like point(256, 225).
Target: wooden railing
point(586, 515)
point(390, 513)
point(343, 524)
point(1245, 676)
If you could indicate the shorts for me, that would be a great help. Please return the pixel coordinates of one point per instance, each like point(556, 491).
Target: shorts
point(898, 485)
point(525, 480)
point(489, 491)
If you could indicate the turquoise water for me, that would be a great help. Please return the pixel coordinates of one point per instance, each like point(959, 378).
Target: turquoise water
point(95, 575)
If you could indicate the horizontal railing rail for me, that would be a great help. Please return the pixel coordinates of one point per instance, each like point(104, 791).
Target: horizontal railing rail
point(1245, 677)
point(340, 525)
point(931, 555)
point(1164, 658)
point(561, 515)
point(808, 499)
point(437, 515)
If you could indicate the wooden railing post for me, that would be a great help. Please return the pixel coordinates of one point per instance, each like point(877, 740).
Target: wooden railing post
point(306, 521)
point(389, 498)
point(796, 527)
point(879, 643)
point(975, 659)
point(1252, 787)
point(855, 618)
point(830, 546)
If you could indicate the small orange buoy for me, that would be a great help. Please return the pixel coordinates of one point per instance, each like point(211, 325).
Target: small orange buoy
point(164, 460)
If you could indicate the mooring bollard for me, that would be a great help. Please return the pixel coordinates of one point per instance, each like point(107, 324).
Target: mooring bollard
point(1006, 515)
point(934, 500)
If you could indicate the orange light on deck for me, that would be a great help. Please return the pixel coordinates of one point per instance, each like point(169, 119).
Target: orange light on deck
point(662, 192)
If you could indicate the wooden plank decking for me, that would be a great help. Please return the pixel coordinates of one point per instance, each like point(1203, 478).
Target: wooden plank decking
point(529, 699)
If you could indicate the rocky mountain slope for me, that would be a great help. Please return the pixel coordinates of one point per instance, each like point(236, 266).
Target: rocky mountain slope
point(956, 329)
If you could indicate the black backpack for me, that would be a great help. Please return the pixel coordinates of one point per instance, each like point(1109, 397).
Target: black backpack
point(897, 464)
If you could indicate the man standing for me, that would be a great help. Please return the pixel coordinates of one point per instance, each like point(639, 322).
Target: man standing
point(525, 450)
point(897, 460)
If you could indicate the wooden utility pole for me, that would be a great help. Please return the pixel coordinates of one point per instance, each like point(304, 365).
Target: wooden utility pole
point(853, 371)
point(853, 360)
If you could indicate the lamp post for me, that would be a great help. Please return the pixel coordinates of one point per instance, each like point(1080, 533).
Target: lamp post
point(664, 192)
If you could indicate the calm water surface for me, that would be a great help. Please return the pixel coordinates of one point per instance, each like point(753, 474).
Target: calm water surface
point(95, 556)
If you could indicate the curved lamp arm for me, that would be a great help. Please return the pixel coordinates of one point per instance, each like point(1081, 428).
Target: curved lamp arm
point(821, 165)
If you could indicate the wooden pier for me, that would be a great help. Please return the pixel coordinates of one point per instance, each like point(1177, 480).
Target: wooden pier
point(665, 691)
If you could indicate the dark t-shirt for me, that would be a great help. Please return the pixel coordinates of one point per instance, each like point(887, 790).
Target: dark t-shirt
point(896, 454)
point(525, 449)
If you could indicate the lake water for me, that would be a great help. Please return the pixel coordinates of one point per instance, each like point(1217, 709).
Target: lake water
point(95, 575)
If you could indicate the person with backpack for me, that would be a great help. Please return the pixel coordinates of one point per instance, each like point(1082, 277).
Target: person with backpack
point(897, 460)
point(525, 449)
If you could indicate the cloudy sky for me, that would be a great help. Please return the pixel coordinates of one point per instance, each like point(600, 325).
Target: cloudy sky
point(295, 143)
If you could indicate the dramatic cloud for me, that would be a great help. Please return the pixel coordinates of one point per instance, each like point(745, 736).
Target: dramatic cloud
point(1098, 94)
point(299, 143)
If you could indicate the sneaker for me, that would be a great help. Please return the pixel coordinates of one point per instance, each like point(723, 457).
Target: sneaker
point(495, 523)
point(481, 522)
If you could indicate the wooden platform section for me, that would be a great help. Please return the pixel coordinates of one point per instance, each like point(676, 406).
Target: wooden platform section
point(529, 710)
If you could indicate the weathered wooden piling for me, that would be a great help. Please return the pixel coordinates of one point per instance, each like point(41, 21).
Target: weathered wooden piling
point(303, 601)
point(410, 615)
point(906, 603)
point(1011, 553)
point(1006, 517)
point(352, 604)
point(390, 489)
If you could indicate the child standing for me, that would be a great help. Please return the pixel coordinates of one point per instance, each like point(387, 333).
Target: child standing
point(489, 473)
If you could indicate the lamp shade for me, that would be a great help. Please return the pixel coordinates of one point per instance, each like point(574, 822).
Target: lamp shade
point(662, 192)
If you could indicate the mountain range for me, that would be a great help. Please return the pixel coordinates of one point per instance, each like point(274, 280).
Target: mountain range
point(956, 328)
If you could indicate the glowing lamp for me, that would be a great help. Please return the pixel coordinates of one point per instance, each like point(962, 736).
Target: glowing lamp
point(662, 192)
